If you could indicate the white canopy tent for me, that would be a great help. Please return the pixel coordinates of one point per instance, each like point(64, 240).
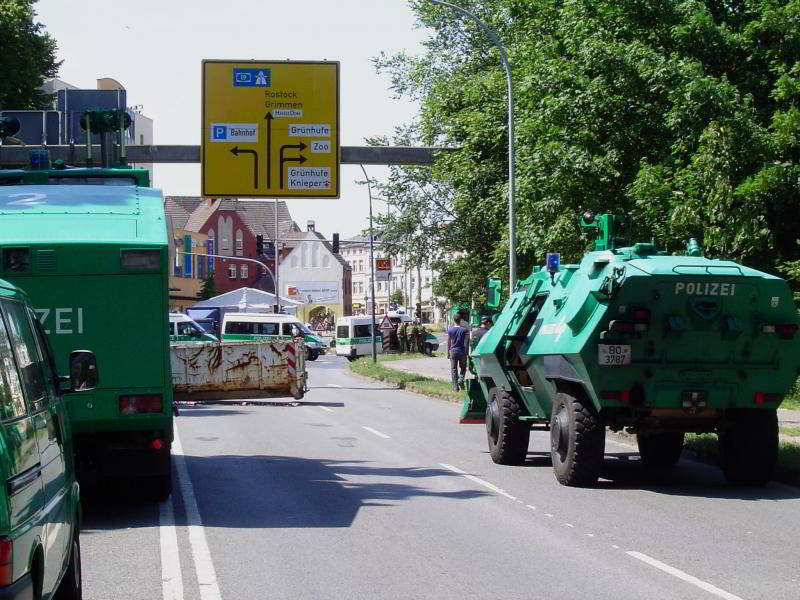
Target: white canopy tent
point(248, 300)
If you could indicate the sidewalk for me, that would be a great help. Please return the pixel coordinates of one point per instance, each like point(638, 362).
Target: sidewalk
point(438, 367)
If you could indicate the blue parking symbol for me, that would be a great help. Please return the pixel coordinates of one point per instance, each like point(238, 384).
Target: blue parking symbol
point(220, 132)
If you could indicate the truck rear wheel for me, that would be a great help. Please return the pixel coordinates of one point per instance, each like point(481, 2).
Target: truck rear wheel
point(577, 440)
point(159, 487)
point(508, 436)
point(748, 446)
point(660, 449)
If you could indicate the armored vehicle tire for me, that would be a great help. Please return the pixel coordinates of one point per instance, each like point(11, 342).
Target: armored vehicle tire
point(70, 587)
point(660, 449)
point(312, 355)
point(508, 436)
point(577, 440)
point(748, 446)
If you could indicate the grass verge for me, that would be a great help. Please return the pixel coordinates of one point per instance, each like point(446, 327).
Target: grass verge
point(405, 381)
point(792, 400)
point(705, 447)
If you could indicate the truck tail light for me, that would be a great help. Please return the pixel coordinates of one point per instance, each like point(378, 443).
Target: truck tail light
point(641, 315)
point(762, 398)
point(146, 260)
point(141, 403)
point(626, 327)
point(785, 331)
point(623, 396)
point(6, 562)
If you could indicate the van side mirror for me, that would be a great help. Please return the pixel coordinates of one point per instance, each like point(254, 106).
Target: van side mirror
point(83, 375)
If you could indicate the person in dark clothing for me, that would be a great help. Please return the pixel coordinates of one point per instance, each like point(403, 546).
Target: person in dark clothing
point(486, 325)
point(457, 344)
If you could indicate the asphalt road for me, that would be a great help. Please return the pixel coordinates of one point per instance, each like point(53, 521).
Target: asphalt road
point(367, 492)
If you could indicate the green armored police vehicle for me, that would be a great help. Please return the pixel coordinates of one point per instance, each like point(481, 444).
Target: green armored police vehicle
point(632, 338)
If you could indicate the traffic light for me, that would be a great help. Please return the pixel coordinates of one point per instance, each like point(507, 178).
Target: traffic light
point(336, 243)
point(259, 245)
point(418, 312)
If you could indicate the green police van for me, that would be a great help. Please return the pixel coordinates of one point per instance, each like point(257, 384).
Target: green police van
point(270, 326)
point(353, 337)
point(40, 524)
point(182, 328)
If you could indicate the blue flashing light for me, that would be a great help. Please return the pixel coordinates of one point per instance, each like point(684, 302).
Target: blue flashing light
point(553, 262)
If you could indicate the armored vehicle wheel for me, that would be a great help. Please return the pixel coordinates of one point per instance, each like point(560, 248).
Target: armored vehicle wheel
point(577, 440)
point(71, 586)
point(508, 436)
point(660, 449)
point(748, 446)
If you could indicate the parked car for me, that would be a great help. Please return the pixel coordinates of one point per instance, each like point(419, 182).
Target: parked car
point(40, 553)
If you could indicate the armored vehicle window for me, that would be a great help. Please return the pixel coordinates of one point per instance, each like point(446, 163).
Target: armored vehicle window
point(342, 331)
point(28, 360)
point(287, 329)
point(12, 404)
point(16, 260)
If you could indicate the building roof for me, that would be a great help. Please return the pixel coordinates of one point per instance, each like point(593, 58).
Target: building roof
point(297, 237)
point(257, 215)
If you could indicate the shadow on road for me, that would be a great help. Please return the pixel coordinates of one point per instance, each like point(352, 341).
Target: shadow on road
point(625, 471)
point(288, 492)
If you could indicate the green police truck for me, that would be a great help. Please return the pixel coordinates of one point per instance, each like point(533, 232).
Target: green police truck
point(89, 246)
point(635, 338)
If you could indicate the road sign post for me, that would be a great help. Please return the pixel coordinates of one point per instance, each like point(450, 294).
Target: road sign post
point(386, 331)
point(270, 129)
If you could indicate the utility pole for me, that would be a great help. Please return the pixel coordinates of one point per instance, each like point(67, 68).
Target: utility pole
point(277, 260)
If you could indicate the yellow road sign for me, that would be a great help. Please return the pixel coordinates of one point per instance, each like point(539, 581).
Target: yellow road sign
point(270, 129)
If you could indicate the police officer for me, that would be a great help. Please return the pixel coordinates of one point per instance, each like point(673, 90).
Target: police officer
point(404, 337)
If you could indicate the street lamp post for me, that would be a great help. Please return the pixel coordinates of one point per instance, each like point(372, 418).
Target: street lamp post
point(371, 265)
point(512, 207)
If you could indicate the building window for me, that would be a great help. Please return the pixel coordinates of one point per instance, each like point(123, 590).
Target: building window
point(294, 261)
point(243, 271)
point(224, 242)
point(380, 285)
point(231, 271)
point(239, 243)
point(326, 261)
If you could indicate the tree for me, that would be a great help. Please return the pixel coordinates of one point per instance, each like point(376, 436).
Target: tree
point(397, 297)
point(27, 59)
point(209, 289)
point(684, 116)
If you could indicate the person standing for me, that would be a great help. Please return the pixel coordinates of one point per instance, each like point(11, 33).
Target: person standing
point(457, 344)
point(404, 337)
point(421, 331)
point(414, 336)
point(486, 325)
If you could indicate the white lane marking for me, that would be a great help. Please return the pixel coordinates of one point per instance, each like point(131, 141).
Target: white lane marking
point(333, 385)
point(206, 575)
point(376, 432)
point(712, 589)
point(479, 481)
point(589, 535)
point(171, 579)
point(325, 408)
point(615, 547)
point(569, 525)
point(548, 515)
point(531, 507)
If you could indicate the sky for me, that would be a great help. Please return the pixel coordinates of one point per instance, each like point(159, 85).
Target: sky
point(155, 48)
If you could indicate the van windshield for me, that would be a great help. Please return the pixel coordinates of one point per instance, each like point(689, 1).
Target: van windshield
point(342, 331)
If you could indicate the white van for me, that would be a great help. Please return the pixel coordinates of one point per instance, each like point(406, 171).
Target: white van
point(238, 326)
point(353, 338)
point(183, 329)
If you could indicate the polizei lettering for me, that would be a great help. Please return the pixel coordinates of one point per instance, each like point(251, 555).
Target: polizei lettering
point(705, 288)
point(61, 320)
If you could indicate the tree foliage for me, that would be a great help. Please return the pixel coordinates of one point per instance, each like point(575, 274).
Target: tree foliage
point(209, 287)
point(682, 114)
point(28, 56)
